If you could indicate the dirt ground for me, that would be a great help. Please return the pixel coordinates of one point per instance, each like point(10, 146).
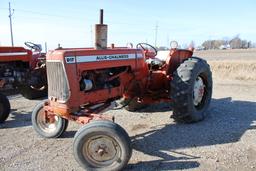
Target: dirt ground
point(225, 140)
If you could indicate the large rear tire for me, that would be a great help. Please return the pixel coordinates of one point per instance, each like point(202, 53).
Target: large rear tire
point(4, 108)
point(102, 146)
point(191, 90)
point(35, 85)
point(45, 128)
point(31, 93)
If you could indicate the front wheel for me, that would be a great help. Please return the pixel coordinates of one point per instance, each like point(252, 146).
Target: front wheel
point(4, 108)
point(46, 127)
point(191, 90)
point(102, 146)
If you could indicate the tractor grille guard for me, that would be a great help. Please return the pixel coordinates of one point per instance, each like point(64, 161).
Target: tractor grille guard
point(58, 86)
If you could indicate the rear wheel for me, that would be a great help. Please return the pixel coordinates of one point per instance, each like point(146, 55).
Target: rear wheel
point(191, 90)
point(35, 85)
point(4, 108)
point(46, 127)
point(31, 92)
point(102, 146)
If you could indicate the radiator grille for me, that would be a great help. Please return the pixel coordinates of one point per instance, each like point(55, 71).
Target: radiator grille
point(57, 81)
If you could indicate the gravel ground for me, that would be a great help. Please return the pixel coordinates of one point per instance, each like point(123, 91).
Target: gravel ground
point(225, 140)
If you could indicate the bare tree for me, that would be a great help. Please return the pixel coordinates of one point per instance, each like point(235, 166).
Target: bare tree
point(236, 42)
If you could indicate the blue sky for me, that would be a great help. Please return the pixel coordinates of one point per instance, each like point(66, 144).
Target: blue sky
point(70, 23)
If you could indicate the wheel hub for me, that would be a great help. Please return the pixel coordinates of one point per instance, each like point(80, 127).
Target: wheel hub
point(101, 149)
point(199, 90)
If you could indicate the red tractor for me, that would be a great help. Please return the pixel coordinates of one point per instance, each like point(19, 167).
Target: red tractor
point(84, 82)
point(23, 70)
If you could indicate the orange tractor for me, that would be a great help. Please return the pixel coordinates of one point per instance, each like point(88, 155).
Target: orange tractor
point(83, 82)
point(23, 70)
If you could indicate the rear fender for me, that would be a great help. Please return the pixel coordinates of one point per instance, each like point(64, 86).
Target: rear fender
point(176, 57)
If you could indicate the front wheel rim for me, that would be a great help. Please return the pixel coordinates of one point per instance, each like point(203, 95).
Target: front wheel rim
point(45, 125)
point(101, 150)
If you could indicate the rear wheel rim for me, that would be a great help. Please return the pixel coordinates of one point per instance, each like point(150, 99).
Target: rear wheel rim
point(38, 88)
point(46, 126)
point(101, 150)
point(198, 91)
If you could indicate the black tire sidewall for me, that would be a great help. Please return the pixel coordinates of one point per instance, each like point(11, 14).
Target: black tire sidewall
point(62, 124)
point(6, 108)
point(102, 128)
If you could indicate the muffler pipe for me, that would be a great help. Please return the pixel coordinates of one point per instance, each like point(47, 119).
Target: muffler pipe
point(101, 34)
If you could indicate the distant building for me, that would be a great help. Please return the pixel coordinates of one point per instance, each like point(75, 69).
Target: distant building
point(223, 47)
point(199, 48)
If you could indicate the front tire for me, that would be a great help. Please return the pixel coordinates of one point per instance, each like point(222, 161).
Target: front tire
point(45, 128)
point(102, 146)
point(4, 108)
point(191, 90)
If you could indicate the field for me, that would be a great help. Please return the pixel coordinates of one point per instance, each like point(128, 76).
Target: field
point(225, 140)
point(231, 64)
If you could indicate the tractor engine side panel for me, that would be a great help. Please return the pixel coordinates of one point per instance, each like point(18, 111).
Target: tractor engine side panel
point(12, 74)
point(97, 76)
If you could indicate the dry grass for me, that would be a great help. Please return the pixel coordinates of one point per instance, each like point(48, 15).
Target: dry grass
point(233, 64)
point(233, 70)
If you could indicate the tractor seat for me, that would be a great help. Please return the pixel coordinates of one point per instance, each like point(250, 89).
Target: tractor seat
point(159, 60)
point(155, 62)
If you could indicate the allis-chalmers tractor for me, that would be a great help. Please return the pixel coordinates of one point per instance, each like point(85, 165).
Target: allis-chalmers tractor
point(84, 82)
point(23, 70)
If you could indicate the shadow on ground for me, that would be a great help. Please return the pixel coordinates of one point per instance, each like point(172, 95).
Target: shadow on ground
point(17, 119)
point(162, 107)
point(227, 121)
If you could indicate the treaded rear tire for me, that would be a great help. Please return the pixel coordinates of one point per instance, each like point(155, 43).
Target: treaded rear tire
point(182, 87)
point(31, 93)
point(35, 85)
point(5, 108)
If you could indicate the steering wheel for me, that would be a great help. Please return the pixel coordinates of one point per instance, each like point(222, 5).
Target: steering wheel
point(150, 51)
point(33, 46)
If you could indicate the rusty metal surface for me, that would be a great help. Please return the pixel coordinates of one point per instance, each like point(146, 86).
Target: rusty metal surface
point(101, 36)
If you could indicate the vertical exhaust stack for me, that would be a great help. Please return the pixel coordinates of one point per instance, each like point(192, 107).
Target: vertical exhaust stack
point(101, 34)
